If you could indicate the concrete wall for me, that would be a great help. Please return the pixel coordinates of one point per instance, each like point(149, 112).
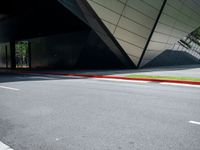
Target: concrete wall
point(79, 50)
point(179, 18)
point(88, 16)
point(60, 51)
point(2, 57)
point(129, 21)
point(172, 57)
point(96, 54)
point(132, 21)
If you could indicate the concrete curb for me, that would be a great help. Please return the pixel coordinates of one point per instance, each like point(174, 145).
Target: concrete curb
point(4, 146)
point(115, 77)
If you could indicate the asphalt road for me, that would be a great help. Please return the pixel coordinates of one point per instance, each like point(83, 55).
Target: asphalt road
point(59, 113)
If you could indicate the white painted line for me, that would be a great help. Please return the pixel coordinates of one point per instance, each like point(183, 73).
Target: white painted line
point(78, 77)
point(194, 122)
point(4, 146)
point(121, 80)
point(9, 88)
point(40, 77)
point(178, 84)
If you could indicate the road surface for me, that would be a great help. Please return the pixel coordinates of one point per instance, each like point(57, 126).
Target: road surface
point(63, 113)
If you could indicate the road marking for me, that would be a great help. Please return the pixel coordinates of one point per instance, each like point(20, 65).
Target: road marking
point(4, 146)
point(194, 122)
point(178, 84)
point(74, 77)
point(9, 88)
point(120, 80)
point(40, 77)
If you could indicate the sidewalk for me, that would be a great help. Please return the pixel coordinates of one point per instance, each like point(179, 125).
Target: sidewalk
point(180, 71)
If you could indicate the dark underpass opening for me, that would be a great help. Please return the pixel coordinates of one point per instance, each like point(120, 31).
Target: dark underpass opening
point(22, 54)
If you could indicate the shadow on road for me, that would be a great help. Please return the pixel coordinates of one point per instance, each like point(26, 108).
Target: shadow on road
point(16, 77)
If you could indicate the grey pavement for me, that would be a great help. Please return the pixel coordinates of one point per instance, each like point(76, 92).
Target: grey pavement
point(51, 113)
point(179, 71)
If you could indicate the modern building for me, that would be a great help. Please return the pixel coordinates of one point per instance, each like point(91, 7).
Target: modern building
point(98, 33)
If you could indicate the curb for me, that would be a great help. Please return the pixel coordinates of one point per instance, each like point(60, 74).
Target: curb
point(115, 77)
point(4, 146)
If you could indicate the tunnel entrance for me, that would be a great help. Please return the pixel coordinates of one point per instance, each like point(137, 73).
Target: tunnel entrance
point(22, 54)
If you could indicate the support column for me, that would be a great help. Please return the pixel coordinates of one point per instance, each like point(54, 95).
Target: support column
point(13, 56)
point(29, 54)
point(6, 51)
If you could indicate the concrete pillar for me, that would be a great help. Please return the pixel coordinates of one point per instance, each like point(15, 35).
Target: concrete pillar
point(13, 57)
point(29, 54)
